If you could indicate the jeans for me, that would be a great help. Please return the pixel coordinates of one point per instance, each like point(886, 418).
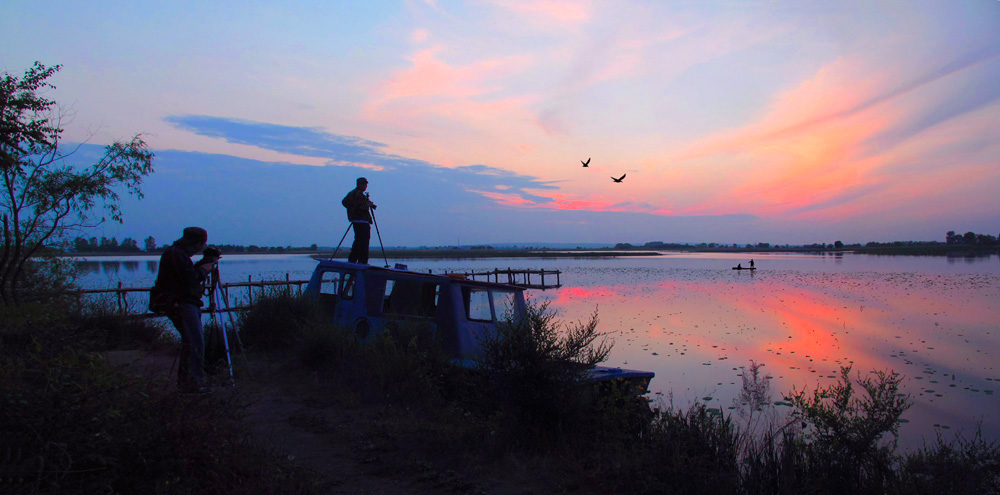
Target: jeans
point(359, 250)
point(191, 370)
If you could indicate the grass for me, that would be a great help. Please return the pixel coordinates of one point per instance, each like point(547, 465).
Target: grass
point(73, 424)
point(526, 400)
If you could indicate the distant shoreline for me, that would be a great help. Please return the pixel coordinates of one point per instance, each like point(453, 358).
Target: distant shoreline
point(953, 251)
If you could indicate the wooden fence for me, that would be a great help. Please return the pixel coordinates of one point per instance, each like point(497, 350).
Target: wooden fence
point(125, 305)
point(520, 278)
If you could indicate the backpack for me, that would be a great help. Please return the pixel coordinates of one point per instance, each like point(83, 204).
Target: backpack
point(161, 301)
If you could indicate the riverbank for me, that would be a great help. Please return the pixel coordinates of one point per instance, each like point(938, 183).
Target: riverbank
point(464, 253)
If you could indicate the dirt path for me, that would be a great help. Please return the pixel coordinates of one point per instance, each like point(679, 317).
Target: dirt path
point(347, 448)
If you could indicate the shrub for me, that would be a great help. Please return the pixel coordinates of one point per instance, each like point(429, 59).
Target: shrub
point(965, 465)
point(276, 319)
point(99, 325)
point(846, 452)
point(693, 451)
point(532, 376)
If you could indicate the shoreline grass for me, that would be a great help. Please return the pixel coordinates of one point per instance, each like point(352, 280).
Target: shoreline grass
point(74, 424)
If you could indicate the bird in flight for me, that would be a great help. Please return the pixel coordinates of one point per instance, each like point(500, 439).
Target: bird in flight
point(618, 179)
point(585, 163)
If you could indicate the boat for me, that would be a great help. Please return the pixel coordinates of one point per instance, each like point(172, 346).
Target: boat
point(744, 268)
point(453, 309)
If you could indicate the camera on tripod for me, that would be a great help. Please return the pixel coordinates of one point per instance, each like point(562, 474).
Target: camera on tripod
point(209, 255)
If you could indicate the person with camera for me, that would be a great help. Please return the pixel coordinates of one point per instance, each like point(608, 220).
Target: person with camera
point(177, 294)
point(359, 208)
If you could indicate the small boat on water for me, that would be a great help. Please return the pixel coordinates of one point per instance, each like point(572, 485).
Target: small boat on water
point(454, 310)
point(743, 268)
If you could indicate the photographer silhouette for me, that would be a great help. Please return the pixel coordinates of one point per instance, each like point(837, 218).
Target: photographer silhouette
point(359, 213)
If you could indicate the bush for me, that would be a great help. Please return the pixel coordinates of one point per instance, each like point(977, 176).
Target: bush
point(276, 319)
point(847, 452)
point(98, 325)
point(962, 466)
point(531, 378)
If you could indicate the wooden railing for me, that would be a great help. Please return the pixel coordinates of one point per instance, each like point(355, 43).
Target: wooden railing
point(519, 278)
point(123, 304)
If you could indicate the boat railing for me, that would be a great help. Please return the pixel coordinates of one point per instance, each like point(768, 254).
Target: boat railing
point(519, 278)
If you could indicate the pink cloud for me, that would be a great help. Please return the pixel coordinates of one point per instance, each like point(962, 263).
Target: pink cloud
point(808, 156)
point(419, 35)
point(505, 199)
point(563, 12)
point(432, 87)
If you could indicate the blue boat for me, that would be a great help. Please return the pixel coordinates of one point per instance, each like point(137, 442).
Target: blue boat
point(458, 312)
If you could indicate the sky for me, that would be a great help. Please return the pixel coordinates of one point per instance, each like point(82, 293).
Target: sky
point(732, 121)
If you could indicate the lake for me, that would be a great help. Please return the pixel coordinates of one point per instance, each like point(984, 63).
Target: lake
point(696, 323)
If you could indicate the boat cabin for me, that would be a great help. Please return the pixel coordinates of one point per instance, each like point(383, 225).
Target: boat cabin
point(369, 300)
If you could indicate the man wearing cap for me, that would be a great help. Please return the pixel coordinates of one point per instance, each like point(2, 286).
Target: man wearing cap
point(177, 293)
point(358, 213)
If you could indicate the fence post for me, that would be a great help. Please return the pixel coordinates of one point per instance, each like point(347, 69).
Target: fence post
point(121, 298)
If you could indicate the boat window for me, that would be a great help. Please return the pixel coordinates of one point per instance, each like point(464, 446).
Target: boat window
point(505, 304)
point(409, 298)
point(477, 304)
point(329, 283)
point(385, 297)
point(348, 290)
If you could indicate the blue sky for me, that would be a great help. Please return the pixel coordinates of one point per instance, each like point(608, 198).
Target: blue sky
point(742, 122)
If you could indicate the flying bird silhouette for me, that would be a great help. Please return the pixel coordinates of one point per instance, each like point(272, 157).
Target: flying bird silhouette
point(585, 163)
point(618, 179)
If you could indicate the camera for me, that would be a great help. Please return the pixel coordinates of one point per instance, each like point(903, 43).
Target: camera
point(211, 252)
point(209, 255)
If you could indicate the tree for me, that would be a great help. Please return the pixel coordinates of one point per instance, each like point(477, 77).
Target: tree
point(969, 238)
point(951, 238)
point(129, 245)
point(43, 197)
point(838, 245)
point(81, 245)
point(150, 244)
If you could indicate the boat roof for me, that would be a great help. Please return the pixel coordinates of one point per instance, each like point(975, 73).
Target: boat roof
point(402, 270)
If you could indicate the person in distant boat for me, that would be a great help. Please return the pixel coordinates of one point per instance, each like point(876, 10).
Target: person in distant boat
point(359, 214)
point(739, 266)
point(751, 263)
point(177, 293)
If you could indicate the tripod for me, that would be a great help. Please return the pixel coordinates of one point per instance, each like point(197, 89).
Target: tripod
point(214, 308)
point(379, 234)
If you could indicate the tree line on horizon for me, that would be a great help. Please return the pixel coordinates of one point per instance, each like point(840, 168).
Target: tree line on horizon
point(951, 239)
point(129, 245)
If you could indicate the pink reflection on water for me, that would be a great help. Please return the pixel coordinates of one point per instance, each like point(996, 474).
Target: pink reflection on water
point(696, 332)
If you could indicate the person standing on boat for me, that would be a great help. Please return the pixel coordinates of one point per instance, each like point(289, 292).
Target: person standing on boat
point(359, 214)
point(751, 263)
point(177, 293)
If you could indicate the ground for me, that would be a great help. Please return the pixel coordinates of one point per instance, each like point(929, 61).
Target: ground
point(358, 449)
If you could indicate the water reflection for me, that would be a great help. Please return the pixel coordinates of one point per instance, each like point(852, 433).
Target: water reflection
point(696, 323)
point(114, 267)
point(697, 328)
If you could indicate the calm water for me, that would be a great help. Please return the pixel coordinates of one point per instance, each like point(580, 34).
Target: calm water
point(696, 323)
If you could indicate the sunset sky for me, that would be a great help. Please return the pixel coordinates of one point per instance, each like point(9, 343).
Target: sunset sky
point(735, 121)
